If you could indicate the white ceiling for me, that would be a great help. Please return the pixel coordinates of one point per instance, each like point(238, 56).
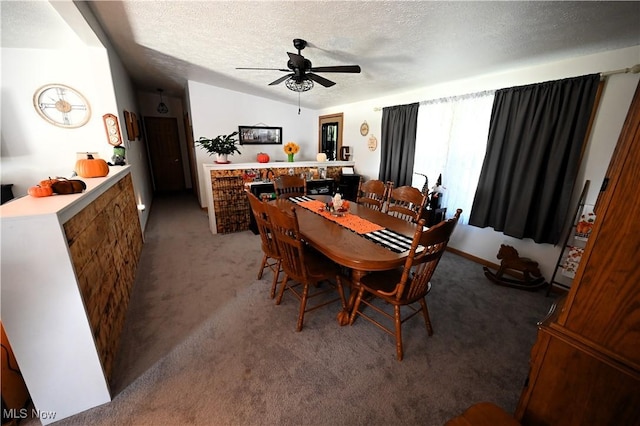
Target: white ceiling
point(400, 45)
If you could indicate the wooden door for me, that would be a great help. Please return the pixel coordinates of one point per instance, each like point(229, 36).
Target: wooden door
point(330, 135)
point(164, 149)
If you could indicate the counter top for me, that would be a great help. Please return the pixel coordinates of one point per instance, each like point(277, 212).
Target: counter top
point(65, 206)
point(278, 165)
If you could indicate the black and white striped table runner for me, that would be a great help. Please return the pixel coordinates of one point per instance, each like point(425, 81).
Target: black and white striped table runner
point(390, 239)
point(300, 199)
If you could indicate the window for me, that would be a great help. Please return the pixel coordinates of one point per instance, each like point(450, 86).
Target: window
point(451, 140)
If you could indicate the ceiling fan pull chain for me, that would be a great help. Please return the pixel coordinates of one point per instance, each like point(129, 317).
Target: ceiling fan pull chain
point(298, 103)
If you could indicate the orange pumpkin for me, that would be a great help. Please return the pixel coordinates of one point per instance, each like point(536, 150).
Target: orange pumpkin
point(263, 158)
point(92, 167)
point(40, 191)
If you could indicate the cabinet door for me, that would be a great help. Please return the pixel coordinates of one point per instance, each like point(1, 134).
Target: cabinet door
point(604, 307)
point(574, 387)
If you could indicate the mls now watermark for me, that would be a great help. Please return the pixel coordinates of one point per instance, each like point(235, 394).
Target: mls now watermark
point(23, 413)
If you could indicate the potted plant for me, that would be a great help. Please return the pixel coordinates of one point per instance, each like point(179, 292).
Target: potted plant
point(222, 145)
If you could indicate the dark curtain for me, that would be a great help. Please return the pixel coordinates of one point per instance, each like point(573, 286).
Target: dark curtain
point(398, 144)
point(533, 154)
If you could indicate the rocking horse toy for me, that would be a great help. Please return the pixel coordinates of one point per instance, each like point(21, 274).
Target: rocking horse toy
point(531, 278)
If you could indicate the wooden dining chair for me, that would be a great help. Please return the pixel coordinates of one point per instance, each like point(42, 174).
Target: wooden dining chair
point(408, 285)
point(302, 265)
point(373, 194)
point(290, 186)
point(406, 202)
point(271, 257)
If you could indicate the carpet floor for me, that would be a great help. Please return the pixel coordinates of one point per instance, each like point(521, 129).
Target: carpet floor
point(205, 345)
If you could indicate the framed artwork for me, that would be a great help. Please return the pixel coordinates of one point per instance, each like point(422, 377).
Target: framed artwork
point(259, 135)
point(129, 126)
point(136, 126)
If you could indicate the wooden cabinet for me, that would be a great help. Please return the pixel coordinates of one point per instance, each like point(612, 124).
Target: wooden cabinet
point(585, 365)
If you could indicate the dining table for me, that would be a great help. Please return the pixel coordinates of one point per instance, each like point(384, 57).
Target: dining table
point(377, 242)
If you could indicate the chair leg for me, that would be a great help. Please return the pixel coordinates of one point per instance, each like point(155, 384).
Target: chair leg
point(274, 284)
point(398, 322)
point(356, 305)
point(425, 313)
point(264, 263)
point(303, 306)
point(285, 279)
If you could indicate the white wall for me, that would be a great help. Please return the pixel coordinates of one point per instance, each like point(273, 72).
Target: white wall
point(136, 150)
point(484, 243)
point(33, 149)
point(215, 111)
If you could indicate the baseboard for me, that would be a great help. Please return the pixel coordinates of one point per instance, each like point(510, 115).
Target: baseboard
point(491, 265)
point(473, 258)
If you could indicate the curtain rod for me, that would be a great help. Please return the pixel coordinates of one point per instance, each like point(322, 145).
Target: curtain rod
point(634, 70)
point(451, 98)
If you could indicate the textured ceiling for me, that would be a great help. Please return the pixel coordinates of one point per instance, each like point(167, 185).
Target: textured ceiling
point(400, 46)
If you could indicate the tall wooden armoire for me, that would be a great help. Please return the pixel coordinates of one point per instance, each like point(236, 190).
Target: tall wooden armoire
point(585, 364)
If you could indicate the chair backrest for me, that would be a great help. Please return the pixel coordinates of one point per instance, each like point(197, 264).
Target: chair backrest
point(290, 186)
point(373, 194)
point(263, 224)
point(421, 264)
point(406, 202)
point(285, 229)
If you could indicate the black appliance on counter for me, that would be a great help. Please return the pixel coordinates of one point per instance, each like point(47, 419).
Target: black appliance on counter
point(348, 187)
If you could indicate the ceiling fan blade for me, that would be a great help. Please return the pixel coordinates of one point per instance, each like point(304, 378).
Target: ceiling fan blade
point(264, 69)
point(339, 68)
point(280, 80)
point(320, 80)
point(296, 60)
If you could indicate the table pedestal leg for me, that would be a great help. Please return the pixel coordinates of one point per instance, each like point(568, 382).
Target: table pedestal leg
point(345, 314)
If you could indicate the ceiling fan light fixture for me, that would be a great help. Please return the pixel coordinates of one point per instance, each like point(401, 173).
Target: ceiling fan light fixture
point(162, 107)
point(302, 86)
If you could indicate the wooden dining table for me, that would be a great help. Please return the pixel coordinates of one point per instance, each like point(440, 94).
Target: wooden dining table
point(348, 248)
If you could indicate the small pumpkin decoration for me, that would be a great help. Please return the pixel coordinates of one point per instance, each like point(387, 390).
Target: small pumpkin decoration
point(92, 167)
point(263, 157)
point(48, 182)
point(68, 186)
point(40, 191)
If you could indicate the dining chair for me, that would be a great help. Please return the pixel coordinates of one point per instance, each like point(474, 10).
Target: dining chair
point(271, 257)
point(373, 194)
point(306, 268)
point(290, 186)
point(406, 202)
point(406, 286)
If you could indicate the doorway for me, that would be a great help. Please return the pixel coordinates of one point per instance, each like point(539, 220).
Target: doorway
point(164, 151)
point(330, 135)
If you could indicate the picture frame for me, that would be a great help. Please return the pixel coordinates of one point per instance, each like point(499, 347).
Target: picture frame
point(135, 125)
point(260, 135)
point(129, 126)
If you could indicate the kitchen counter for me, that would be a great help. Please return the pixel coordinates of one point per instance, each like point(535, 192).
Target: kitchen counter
point(227, 206)
point(68, 265)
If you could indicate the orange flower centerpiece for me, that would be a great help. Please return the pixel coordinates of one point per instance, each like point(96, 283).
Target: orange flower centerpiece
point(290, 149)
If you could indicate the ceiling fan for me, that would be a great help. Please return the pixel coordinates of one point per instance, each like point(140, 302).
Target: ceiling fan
point(302, 73)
